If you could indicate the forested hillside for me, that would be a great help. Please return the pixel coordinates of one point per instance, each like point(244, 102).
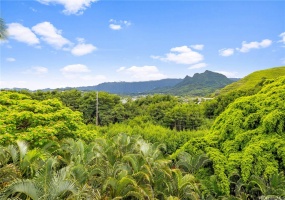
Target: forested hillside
point(247, 142)
point(152, 147)
point(131, 87)
point(254, 80)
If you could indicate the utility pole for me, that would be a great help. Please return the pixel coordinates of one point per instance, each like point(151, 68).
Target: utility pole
point(97, 105)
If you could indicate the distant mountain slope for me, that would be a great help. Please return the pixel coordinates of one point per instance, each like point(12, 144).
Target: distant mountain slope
point(132, 87)
point(201, 84)
point(252, 80)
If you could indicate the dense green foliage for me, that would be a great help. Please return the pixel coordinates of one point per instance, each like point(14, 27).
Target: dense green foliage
point(165, 110)
point(39, 117)
point(247, 86)
point(122, 167)
point(172, 139)
point(218, 104)
point(151, 147)
point(37, 122)
point(248, 139)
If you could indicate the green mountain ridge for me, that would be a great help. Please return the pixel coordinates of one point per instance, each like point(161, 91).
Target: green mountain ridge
point(201, 84)
point(131, 87)
point(253, 80)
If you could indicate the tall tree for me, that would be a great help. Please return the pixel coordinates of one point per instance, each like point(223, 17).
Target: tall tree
point(3, 30)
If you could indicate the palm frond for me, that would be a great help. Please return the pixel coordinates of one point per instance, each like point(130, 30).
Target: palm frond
point(27, 187)
point(23, 148)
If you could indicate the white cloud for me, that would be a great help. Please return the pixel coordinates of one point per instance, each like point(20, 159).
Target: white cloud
point(76, 80)
point(282, 35)
point(246, 47)
point(71, 6)
point(80, 75)
point(76, 68)
point(226, 52)
point(182, 49)
point(181, 55)
point(51, 35)
point(115, 27)
point(83, 49)
point(198, 46)
point(198, 66)
point(118, 24)
point(121, 69)
point(228, 74)
point(10, 59)
point(38, 70)
point(143, 73)
point(22, 34)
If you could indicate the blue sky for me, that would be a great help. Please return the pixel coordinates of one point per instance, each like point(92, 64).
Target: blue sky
point(59, 43)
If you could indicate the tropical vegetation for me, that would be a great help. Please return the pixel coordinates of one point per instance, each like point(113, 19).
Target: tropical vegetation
point(150, 147)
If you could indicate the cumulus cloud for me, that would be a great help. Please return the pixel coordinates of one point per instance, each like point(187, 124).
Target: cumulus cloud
point(10, 59)
point(226, 52)
point(76, 68)
point(198, 46)
point(181, 55)
point(82, 74)
point(246, 47)
point(121, 69)
point(143, 73)
point(228, 74)
point(82, 48)
point(51, 35)
point(198, 66)
point(118, 24)
point(38, 70)
point(115, 27)
point(22, 34)
point(282, 35)
point(70, 6)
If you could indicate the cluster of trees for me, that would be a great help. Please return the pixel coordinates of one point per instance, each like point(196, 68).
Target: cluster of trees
point(165, 110)
point(38, 122)
point(247, 140)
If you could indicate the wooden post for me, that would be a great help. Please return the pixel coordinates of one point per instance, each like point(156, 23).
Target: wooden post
point(97, 105)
